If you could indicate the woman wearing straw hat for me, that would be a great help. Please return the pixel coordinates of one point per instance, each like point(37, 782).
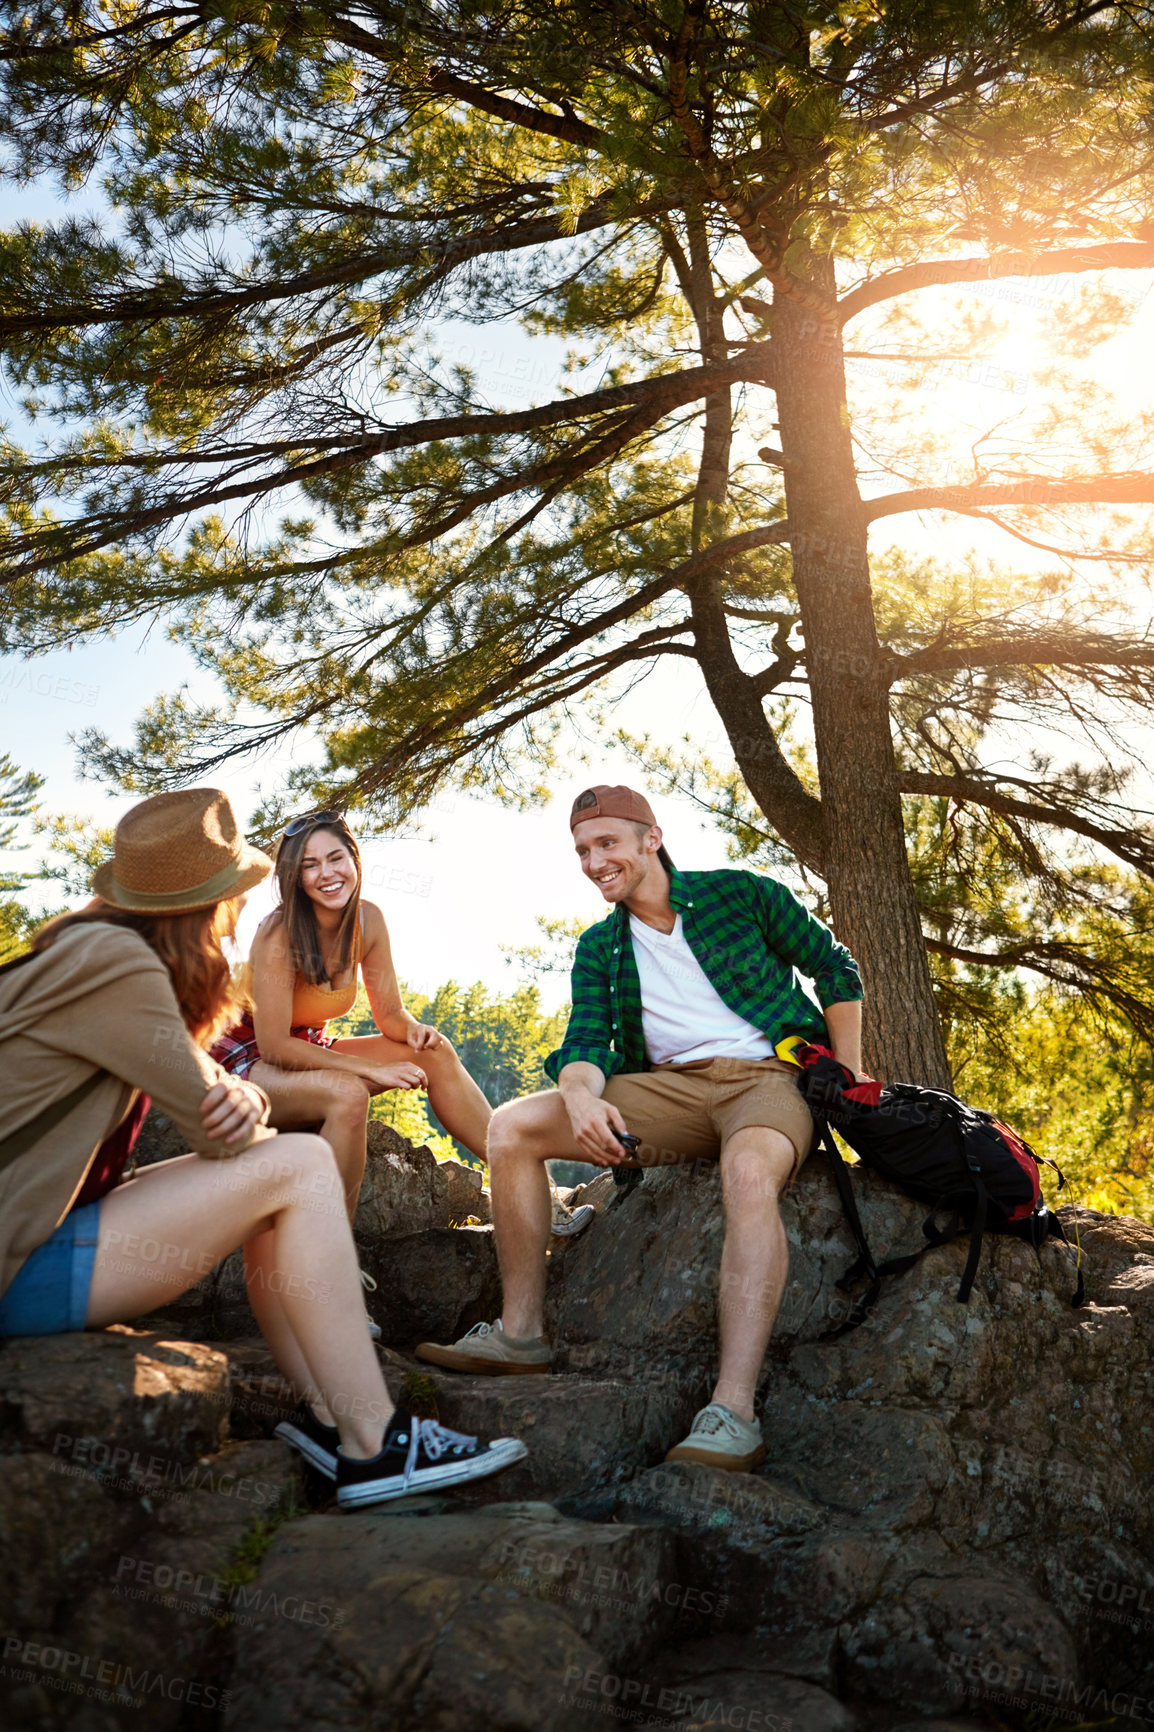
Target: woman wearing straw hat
point(120, 999)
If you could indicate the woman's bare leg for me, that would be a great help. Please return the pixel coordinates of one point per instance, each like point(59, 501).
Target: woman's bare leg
point(163, 1230)
point(262, 1286)
point(336, 1101)
point(454, 1096)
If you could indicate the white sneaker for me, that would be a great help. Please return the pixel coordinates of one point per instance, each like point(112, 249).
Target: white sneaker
point(486, 1349)
point(717, 1438)
point(567, 1222)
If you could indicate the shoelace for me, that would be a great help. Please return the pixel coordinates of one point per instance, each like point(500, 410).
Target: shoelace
point(437, 1439)
point(479, 1329)
point(367, 1281)
point(715, 1418)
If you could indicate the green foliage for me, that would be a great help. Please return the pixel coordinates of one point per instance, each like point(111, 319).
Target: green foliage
point(408, 1112)
point(1081, 1091)
point(502, 1040)
point(75, 847)
point(250, 428)
point(19, 801)
point(16, 928)
point(251, 1550)
point(555, 954)
point(297, 189)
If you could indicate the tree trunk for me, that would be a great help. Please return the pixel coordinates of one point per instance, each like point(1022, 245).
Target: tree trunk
point(871, 891)
point(855, 836)
point(769, 776)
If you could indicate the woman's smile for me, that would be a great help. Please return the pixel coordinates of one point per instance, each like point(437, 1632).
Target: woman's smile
point(328, 877)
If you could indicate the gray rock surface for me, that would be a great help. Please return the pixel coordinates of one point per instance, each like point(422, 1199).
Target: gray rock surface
point(952, 1528)
point(433, 1280)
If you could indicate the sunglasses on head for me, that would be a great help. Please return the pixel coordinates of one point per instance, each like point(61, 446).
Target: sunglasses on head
point(312, 820)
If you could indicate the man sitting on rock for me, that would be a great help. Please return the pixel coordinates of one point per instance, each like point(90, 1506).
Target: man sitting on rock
point(680, 997)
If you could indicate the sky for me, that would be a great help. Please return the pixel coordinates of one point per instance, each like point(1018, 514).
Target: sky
point(479, 873)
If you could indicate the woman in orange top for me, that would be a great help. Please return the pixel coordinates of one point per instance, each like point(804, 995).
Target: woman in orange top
point(305, 959)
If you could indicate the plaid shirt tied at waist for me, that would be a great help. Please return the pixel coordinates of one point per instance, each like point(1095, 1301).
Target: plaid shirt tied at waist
point(749, 934)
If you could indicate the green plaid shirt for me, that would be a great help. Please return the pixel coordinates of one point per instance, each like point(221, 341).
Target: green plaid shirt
point(748, 933)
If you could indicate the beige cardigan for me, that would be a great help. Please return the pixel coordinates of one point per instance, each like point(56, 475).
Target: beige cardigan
point(97, 999)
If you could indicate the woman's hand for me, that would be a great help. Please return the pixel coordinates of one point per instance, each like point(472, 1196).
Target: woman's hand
point(231, 1111)
point(422, 1037)
point(380, 1077)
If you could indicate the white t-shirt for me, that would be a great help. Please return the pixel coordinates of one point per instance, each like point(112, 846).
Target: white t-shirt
point(682, 1016)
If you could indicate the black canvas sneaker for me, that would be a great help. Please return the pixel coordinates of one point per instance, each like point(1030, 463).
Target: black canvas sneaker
point(316, 1442)
point(420, 1455)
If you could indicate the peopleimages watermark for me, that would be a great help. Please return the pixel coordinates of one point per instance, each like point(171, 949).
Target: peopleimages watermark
point(101, 1679)
point(1025, 1687)
point(674, 1489)
point(1119, 1602)
point(589, 1583)
point(150, 1259)
point(125, 1469)
point(399, 882)
point(58, 686)
point(653, 1705)
point(193, 1591)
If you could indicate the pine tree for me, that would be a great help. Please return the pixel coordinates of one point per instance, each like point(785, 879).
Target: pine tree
point(701, 194)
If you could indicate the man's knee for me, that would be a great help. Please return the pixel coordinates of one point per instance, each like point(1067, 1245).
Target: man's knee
point(756, 1169)
point(516, 1130)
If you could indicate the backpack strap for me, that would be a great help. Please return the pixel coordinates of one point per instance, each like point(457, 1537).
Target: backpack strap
point(1056, 1230)
point(865, 1265)
point(977, 1229)
point(977, 1226)
point(625, 1182)
point(12, 1147)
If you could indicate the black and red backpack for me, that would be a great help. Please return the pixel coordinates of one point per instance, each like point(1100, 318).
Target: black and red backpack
point(962, 1162)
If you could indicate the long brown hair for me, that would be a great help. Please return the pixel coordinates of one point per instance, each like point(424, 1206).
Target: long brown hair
point(296, 909)
point(187, 944)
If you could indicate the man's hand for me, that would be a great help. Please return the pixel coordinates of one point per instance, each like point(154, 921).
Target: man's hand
point(594, 1121)
point(231, 1111)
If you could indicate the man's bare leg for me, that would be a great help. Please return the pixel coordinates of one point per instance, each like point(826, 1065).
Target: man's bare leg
point(755, 1166)
point(523, 1135)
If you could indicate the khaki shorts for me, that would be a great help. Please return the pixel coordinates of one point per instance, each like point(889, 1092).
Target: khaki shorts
point(686, 1112)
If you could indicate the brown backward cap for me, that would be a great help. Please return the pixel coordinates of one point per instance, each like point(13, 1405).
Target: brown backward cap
point(603, 801)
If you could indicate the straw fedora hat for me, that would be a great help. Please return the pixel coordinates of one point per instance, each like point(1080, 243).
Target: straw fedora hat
point(178, 852)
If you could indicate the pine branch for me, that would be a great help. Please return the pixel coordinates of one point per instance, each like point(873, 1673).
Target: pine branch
point(1037, 490)
point(150, 305)
point(41, 550)
point(1025, 651)
point(1132, 845)
point(1067, 965)
point(568, 130)
point(1107, 255)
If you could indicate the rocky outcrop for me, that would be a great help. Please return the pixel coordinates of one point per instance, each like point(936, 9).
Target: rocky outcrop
point(422, 1232)
point(954, 1518)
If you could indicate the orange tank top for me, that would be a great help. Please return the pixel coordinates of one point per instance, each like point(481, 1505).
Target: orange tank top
point(313, 1006)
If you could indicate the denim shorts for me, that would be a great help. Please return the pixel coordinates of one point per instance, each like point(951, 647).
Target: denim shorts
point(50, 1294)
